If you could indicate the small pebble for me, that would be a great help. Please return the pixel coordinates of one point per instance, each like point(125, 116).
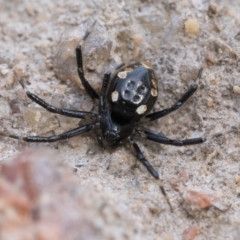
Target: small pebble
point(137, 39)
point(210, 57)
point(195, 201)
point(192, 27)
point(191, 232)
point(238, 190)
point(237, 179)
point(4, 69)
point(236, 89)
point(210, 102)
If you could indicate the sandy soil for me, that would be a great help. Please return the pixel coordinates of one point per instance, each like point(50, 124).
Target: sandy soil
point(178, 38)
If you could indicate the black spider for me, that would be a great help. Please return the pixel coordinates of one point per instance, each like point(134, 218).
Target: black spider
point(125, 101)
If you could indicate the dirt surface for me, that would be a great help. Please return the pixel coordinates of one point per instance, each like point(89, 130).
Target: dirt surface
point(178, 37)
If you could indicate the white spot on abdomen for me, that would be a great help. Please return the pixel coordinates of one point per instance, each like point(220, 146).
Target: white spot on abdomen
point(141, 109)
point(154, 83)
point(122, 74)
point(115, 96)
point(154, 92)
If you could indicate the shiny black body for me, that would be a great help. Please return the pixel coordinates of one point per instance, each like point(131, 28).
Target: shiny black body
point(125, 101)
point(134, 84)
point(129, 89)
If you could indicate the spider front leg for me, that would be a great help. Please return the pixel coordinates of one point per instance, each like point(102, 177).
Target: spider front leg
point(91, 92)
point(102, 104)
point(61, 111)
point(149, 167)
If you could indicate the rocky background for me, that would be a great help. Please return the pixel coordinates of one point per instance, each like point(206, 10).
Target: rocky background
point(74, 189)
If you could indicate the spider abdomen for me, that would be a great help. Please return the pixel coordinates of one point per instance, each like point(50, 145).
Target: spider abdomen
point(133, 91)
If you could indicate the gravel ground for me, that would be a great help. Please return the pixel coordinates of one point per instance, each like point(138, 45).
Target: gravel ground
point(37, 42)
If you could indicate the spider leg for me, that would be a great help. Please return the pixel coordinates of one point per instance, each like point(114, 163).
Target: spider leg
point(91, 92)
point(102, 96)
point(54, 138)
point(149, 167)
point(61, 111)
point(160, 138)
point(156, 115)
